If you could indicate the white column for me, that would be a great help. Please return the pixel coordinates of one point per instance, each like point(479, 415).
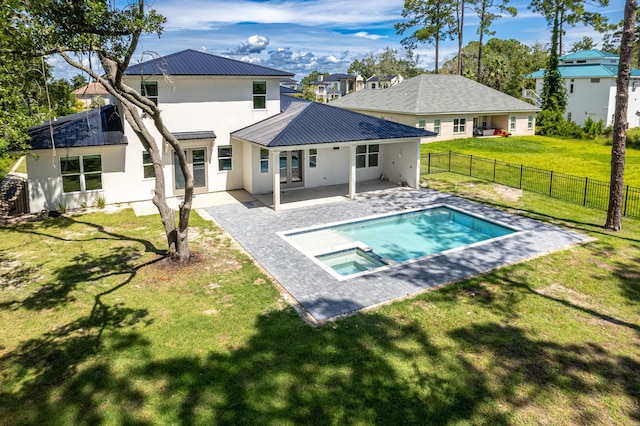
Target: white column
point(275, 172)
point(352, 172)
point(417, 164)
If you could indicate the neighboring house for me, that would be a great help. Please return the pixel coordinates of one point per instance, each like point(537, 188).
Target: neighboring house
point(590, 81)
point(450, 105)
point(334, 86)
point(383, 82)
point(237, 133)
point(92, 92)
point(289, 83)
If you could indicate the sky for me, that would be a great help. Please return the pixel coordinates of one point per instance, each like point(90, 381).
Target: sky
point(301, 36)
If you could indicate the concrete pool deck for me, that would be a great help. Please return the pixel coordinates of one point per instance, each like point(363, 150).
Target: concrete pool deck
point(323, 298)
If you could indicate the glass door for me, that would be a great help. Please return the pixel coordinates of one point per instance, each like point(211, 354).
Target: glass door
point(291, 169)
point(197, 163)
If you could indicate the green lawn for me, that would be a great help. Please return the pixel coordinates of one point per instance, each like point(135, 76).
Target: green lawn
point(99, 328)
point(586, 158)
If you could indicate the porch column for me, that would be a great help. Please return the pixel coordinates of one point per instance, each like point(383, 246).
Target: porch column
point(275, 172)
point(352, 172)
point(417, 163)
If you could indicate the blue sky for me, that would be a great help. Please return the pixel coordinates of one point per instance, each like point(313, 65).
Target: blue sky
point(301, 36)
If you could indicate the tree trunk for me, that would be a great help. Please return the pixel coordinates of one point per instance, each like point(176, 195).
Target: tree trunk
point(460, 24)
point(616, 190)
point(437, 42)
point(482, 26)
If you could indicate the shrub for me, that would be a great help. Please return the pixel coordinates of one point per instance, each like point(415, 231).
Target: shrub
point(593, 129)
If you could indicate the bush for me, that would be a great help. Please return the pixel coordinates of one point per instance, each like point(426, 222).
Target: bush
point(552, 123)
point(593, 129)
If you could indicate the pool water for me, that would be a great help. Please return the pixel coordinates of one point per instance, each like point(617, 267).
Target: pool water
point(354, 247)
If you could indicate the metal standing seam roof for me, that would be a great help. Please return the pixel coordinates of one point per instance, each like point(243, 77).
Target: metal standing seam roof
point(586, 71)
point(188, 136)
point(192, 62)
point(303, 122)
point(431, 94)
point(94, 127)
point(588, 54)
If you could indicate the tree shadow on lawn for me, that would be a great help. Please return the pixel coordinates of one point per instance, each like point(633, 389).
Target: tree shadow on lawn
point(83, 269)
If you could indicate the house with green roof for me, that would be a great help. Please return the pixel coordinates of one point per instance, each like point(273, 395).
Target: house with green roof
point(590, 81)
point(452, 106)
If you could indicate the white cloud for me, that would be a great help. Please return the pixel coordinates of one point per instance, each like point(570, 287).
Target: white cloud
point(365, 34)
point(254, 44)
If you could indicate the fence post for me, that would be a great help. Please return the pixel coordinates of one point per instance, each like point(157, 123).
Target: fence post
point(429, 164)
point(470, 164)
point(551, 184)
point(586, 185)
point(520, 176)
point(449, 168)
point(494, 169)
point(626, 199)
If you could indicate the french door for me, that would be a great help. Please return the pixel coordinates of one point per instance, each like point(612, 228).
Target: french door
point(197, 163)
point(291, 167)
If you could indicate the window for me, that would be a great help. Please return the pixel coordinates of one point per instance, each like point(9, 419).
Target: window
point(595, 80)
point(313, 158)
point(459, 125)
point(81, 173)
point(530, 122)
point(485, 122)
point(224, 157)
point(264, 160)
point(568, 116)
point(571, 87)
point(512, 123)
point(367, 156)
point(149, 89)
point(147, 166)
point(436, 126)
point(259, 95)
point(421, 124)
point(373, 85)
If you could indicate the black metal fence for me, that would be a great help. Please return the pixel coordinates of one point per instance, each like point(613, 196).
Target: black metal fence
point(574, 189)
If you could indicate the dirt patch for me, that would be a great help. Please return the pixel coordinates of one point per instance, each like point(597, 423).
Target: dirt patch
point(491, 191)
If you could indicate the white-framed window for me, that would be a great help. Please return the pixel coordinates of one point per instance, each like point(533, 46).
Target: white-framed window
point(421, 124)
point(459, 125)
point(485, 122)
point(147, 166)
point(259, 95)
point(373, 85)
point(571, 87)
point(367, 156)
point(225, 155)
point(568, 116)
point(595, 80)
point(264, 160)
point(149, 89)
point(530, 122)
point(81, 173)
point(436, 126)
point(313, 158)
point(512, 122)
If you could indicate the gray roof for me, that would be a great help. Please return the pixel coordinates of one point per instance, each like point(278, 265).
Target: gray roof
point(431, 94)
point(303, 122)
point(189, 136)
point(192, 62)
point(94, 127)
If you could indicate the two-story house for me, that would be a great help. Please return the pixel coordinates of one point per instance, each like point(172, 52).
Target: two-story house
point(590, 83)
point(383, 82)
point(334, 86)
point(235, 128)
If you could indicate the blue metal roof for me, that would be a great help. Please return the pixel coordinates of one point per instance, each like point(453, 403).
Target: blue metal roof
point(192, 62)
point(588, 54)
point(338, 77)
point(303, 122)
point(287, 91)
point(95, 127)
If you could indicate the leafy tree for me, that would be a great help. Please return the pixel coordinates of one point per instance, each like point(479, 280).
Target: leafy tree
point(559, 13)
point(78, 81)
point(612, 39)
point(614, 212)
point(103, 29)
point(96, 101)
point(61, 101)
point(554, 97)
point(385, 64)
point(488, 11)
point(431, 22)
point(586, 43)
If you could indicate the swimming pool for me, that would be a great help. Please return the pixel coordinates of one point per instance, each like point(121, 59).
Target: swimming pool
point(347, 249)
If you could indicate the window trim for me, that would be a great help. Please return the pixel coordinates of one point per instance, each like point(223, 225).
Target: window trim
point(530, 122)
point(257, 94)
point(422, 124)
point(81, 173)
point(459, 125)
point(313, 158)
point(221, 158)
point(144, 91)
point(264, 160)
point(512, 123)
point(367, 155)
point(147, 164)
point(437, 126)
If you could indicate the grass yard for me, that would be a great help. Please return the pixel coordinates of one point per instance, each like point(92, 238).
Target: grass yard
point(99, 328)
point(586, 158)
